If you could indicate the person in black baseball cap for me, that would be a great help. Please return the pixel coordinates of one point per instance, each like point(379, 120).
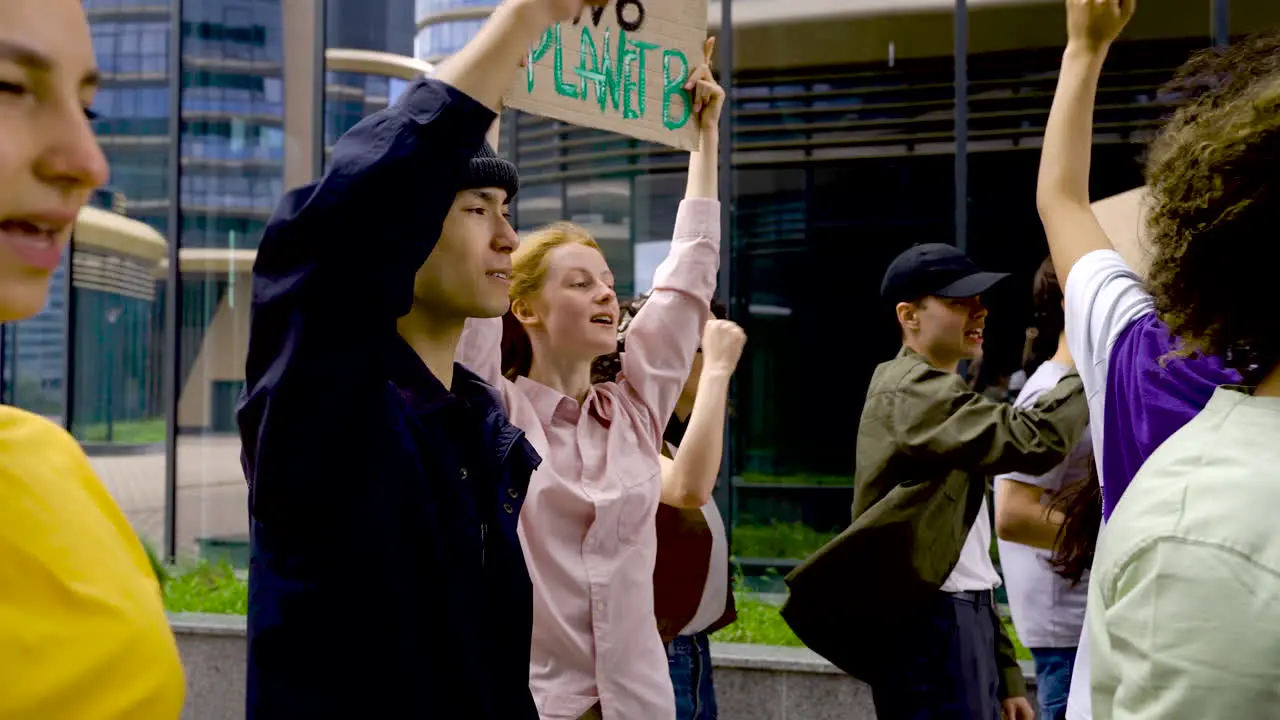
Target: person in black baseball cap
point(918, 622)
point(936, 291)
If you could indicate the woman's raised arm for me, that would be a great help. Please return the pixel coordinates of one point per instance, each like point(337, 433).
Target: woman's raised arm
point(1062, 190)
point(665, 334)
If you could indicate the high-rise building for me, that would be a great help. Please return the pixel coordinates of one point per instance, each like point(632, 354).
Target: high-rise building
point(444, 26)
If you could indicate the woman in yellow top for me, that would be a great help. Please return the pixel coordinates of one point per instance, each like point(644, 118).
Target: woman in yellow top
point(83, 632)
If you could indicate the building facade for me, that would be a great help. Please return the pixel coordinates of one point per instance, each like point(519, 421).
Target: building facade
point(856, 128)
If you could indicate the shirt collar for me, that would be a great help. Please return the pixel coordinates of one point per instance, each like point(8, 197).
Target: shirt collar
point(549, 404)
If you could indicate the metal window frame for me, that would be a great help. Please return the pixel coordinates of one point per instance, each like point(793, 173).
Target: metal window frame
point(960, 57)
point(1220, 23)
point(69, 338)
point(173, 288)
point(724, 494)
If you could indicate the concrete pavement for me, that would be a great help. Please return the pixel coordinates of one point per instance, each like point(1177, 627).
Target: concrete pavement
point(212, 495)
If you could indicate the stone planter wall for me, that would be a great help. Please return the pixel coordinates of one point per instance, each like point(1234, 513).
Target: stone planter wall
point(753, 682)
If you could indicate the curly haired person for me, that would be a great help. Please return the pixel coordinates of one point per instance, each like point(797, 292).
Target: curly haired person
point(1185, 583)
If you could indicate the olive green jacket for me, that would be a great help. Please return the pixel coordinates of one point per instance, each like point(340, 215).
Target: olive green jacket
point(926, 447)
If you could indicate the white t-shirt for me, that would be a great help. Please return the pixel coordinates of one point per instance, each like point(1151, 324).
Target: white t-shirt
point(1103, 295)
point(715, 592)
point(1047, 611)
point(975, 571)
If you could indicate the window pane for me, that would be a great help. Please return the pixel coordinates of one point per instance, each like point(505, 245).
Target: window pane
point(117, 325)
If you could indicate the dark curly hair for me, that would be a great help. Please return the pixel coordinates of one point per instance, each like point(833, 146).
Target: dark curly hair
point(1214, 177)
point(1213, 77)
point(606, 367)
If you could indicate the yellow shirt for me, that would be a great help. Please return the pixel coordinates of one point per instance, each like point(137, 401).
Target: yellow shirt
point(83, 633)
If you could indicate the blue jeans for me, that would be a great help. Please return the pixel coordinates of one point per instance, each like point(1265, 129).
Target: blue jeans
point(689, 661)
point(1053, 680)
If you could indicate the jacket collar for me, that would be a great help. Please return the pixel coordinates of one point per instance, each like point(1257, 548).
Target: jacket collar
point(426, 395)
point(414, 381)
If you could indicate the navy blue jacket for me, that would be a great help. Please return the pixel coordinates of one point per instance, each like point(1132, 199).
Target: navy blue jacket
point(386, 578)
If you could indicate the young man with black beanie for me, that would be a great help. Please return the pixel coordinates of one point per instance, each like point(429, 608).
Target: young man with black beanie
point(903, 598)
point(386, 576)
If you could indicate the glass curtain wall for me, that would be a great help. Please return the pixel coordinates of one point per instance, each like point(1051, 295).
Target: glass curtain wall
point(233, 148)
point(252, 126)
point(115, 303)
point(844, 155)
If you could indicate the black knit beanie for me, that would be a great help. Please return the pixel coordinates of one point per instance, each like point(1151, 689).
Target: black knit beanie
point(486, 169)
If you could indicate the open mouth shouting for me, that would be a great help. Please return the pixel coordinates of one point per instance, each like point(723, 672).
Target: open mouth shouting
point(974, 336)
point(36, 239)
point(605, 319)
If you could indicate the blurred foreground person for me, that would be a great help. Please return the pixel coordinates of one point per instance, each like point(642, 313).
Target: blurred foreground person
point(83, 633)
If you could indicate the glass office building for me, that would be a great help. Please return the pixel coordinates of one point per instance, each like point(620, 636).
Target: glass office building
point(857, 129)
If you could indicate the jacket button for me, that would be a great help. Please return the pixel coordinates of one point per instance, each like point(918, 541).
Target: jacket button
point(508, 508)
point(463, 473)
point(513, 492)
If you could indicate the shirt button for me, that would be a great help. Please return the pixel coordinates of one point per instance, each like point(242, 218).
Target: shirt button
point(513, 492)
point(508, 508)
point(463, 473)
point(599, 606)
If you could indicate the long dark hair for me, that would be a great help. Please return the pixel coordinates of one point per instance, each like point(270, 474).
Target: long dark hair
point(1047, 316)
point(1080, 503)
point(517, 349)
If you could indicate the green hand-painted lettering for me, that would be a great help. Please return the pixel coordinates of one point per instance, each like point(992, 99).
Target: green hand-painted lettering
point(628, 58)
point(567, 89)
point(640, 47)
point(612, 70)
point(587, 51)
point(673, 86)
point(604, 72)
point(535, 54)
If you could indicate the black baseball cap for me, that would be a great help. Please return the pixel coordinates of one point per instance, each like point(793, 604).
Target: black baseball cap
point(935, 269)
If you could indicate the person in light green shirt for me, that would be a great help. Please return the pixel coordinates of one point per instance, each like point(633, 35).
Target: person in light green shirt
point(1184, 598)
point(1184, 602)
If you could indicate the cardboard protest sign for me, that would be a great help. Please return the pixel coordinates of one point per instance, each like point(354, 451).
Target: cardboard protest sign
point(621, 67)
point(1123, 218)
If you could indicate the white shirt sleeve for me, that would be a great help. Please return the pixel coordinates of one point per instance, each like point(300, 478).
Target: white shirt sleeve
point(1103, 296)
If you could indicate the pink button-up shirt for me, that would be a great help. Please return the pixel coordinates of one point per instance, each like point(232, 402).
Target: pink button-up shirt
point(587, 526)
